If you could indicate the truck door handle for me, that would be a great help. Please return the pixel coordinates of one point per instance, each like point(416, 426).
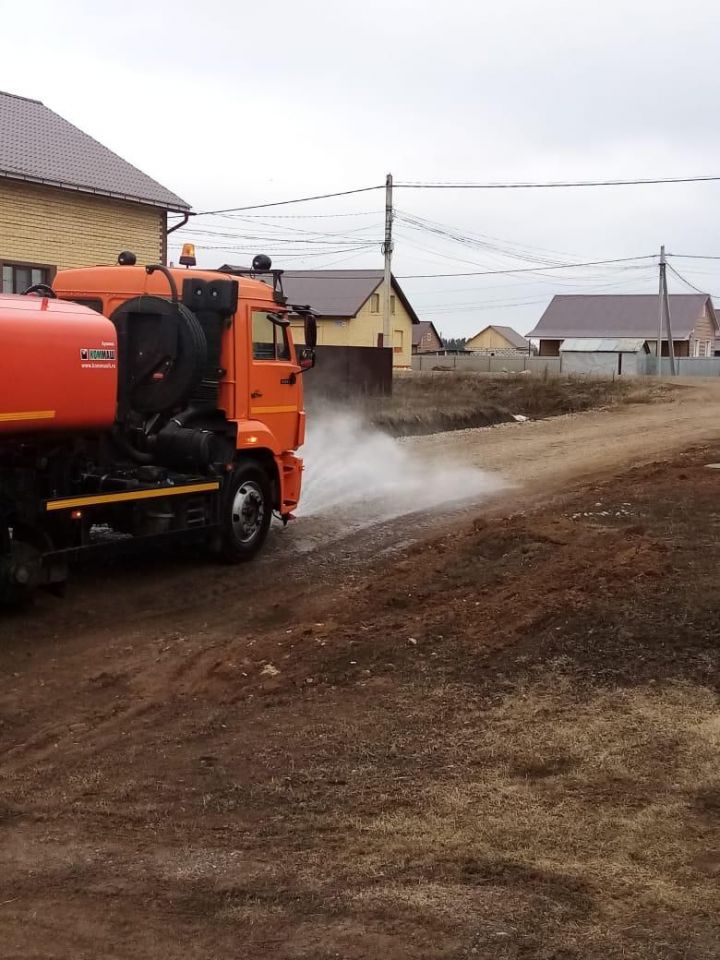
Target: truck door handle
point(255, 394)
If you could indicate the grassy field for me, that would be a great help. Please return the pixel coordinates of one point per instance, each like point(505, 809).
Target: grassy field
point(429, 403)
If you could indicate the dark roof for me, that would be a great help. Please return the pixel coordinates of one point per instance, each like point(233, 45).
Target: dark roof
point(333, 293)
point(512, 336)
point(420, 329)
point(37, 145)
point(626, 315)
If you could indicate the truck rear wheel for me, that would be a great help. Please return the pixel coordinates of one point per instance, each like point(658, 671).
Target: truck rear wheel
point(20, 568)
point(246, 512)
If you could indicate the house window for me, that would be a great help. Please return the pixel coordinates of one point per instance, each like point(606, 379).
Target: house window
point(17, 277)
point(269, 340)
point(375, 303)
point(398, 341)
point(392, 305)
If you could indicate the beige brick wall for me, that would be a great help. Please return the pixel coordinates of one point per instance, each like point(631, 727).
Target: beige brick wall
point(363, 330)
point(63, 228)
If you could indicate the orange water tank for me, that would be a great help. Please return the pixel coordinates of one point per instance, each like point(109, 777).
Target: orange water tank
point(58, 366)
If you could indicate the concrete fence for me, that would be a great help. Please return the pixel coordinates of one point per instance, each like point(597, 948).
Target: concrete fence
point(684, 366)
point(483, 363)
point(645, 366)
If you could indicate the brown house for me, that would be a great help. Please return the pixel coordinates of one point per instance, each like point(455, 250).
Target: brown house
point(635, 316)
point(68, 201)
point(425, 338)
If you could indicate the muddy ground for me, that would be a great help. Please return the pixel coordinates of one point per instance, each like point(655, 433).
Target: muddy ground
point(499, 742)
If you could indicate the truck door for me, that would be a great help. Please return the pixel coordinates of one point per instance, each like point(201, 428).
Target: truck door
point(274, 378)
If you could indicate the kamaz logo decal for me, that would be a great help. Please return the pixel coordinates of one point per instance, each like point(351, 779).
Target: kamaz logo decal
point(90, 354)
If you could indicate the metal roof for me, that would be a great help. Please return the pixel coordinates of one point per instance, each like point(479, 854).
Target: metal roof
point(39, 146)
point(602, 345)
point(334, 293)
point(626, 315)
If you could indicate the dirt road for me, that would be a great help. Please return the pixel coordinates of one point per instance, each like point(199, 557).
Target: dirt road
point(337, 753)
point(546, 455)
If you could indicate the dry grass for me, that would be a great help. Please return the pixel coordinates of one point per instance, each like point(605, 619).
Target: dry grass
point(426, 403)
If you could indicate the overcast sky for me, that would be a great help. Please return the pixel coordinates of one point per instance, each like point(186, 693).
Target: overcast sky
point(232, 103)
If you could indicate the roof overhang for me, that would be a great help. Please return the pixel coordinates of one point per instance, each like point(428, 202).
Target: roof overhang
point(180, 207)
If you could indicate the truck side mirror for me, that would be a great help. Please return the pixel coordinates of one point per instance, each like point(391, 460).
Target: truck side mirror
point(310, 331)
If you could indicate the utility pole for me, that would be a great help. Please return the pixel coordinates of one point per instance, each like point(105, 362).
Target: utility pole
point(664, 318)
point(661, 307)
point(387, 249)
point(668, 327)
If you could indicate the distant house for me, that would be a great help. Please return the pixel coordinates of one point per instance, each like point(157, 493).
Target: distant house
point(500, 341)
point(602, 317)
point(425, 338)
point(349, 307)
point(68, 201)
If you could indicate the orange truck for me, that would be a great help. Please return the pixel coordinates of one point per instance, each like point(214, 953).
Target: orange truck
point(142, 404)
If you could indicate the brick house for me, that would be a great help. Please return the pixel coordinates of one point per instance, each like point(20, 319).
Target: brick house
point(68, 201)
point(425, 338)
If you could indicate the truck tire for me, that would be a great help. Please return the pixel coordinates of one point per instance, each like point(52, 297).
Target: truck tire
point(19, 574)
point(246, 512)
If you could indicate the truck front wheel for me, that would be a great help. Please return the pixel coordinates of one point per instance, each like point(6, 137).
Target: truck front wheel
point(246, 512)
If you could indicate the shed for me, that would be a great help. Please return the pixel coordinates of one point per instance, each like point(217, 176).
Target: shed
point(603, 356)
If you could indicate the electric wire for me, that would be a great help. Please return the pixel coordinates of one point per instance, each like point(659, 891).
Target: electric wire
point(282, 203)
point(464, 185)
point(688, 283)
point(564, 266)
point(553, 184)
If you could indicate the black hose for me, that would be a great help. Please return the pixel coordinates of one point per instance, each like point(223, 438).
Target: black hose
point(151, 268)
point(43, 289)
point(129, 450)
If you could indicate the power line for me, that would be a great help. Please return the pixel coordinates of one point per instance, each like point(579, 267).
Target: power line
point(282, 203)
point(693, 256)
point(447, 185)
point(447, 306)
point(687, 282)
point(299, 216)
point(482, 241)
point(553, 184)
point(563, 266)
point(476, 273)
